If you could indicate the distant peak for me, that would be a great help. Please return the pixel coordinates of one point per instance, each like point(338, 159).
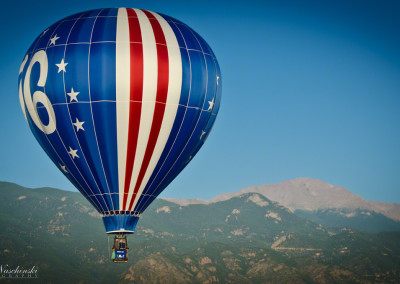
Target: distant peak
point(186, 202)
point(308, 181)
point(303, 194)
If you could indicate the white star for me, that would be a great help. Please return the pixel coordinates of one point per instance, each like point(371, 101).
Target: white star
point(73, 153)
point(73, 95)
point(53, 40)
point(211, 104)
point(64, 169)
point(217, 79)
point(202, 133)
point(78, 125)
point(61, 66)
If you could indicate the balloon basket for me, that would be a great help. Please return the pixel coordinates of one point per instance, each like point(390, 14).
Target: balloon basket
point(120, 248)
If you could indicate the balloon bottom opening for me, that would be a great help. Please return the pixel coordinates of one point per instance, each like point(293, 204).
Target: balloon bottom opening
point(120, 224)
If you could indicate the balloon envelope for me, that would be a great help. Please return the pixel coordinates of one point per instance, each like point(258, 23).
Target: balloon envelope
point(121, 100)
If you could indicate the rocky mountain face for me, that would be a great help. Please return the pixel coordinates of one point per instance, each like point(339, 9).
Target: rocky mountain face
point(308, 195)
point(244, 239)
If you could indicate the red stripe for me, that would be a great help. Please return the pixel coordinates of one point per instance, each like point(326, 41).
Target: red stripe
point(136, 91)
point(161, 99)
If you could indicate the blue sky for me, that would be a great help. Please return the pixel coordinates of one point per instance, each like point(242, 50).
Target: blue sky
point(310, 89)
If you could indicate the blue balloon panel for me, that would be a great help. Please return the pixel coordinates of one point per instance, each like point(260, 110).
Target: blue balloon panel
point(121, 100)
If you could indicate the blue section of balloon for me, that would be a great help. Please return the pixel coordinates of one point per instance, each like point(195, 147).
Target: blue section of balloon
point(80, 84)
point(120, 223)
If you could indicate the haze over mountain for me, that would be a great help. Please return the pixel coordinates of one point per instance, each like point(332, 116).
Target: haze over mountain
point(309, 195)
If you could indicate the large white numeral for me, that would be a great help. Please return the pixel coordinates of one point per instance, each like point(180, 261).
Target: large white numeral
point(21, 94)
point(38, 96)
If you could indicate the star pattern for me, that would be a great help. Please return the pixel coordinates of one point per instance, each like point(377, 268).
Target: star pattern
point(61, 66)
point(211, 104)
point(64, 168)
point(73, 153)
point(78, 124)
point(217, 79)
point(73, 95)
point(53, 41)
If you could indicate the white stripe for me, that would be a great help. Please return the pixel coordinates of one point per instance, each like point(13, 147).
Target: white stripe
point(173, 96)
point(122, 96)
point(202, 110)
point(150, 69)
point(143, 205)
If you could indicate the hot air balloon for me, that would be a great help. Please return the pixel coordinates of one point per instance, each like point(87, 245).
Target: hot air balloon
point(121, 100)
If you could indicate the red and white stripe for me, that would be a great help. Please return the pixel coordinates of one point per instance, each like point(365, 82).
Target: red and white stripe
point(149, 79)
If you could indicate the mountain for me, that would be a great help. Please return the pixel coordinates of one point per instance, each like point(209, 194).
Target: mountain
point(244, 239)
point(311, 196)
point(357, 219)
point(306, 194)
point(391, 210)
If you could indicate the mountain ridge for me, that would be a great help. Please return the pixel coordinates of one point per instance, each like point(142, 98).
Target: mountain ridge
point(306, 194)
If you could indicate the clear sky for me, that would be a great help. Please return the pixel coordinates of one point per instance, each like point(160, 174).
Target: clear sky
point(310, 89)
